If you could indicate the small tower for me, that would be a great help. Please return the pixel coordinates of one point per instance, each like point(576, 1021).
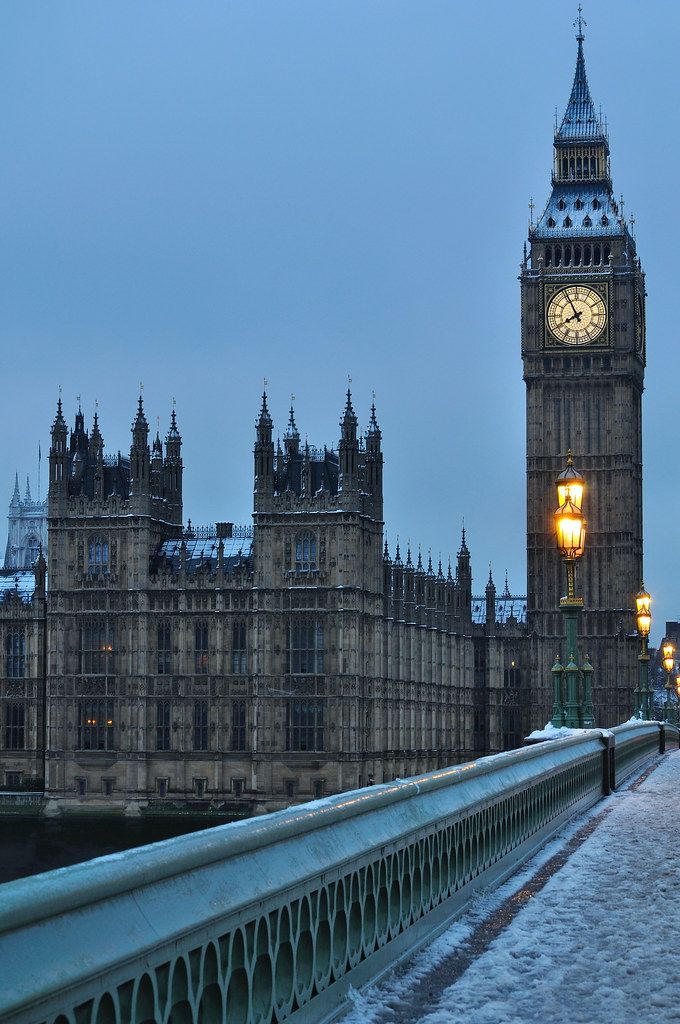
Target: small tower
point(97, 454)
point(349, 448)
point(374, 464)
point(157, 468)
point(172, 468)
point(139, 453)
point(58, 456)
point(264, 459)
point(490, 594)
point(464, 580)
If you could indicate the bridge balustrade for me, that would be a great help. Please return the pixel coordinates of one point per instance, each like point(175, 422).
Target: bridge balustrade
point(273, 919)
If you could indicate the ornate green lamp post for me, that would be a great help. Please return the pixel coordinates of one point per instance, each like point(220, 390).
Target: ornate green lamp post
point(669, 665)
point(644, 623)
point(570, 533)
point(677, 706)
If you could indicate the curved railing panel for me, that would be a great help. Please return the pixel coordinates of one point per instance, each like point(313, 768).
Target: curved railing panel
point(272, 919)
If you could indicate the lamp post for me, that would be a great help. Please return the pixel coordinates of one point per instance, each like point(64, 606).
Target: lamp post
point(677, 694)
point(668, 664)
point(644, 623)
point(570, 533)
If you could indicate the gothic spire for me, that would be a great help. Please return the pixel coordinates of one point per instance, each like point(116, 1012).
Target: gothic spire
point(173, 432)
point(140, 419)
point(16, 497)
point(28, 489)
point(265, 419)
point(463, 550)
point(580, 122)
point(291, 429)
point(373, 427)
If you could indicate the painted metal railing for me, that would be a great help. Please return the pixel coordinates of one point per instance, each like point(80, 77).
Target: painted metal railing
point(272, 919)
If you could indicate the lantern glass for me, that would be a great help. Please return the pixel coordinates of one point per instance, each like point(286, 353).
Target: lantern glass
point(644, 623)
point(643, 602)
point(570, 485)
point(668, 655)
point(570, 530)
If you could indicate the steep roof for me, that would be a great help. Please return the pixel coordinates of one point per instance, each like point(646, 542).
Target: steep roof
point(580, 123)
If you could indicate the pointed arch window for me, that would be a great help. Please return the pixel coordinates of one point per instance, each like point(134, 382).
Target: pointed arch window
point(604, 221)
point(561, 205)
point(239, 647)
point(551, 222)
point(305, 552)
point(97, 556)
point(164, 646)
point(596, 204)
point(32, 550)
point(587, 222)
point(97, 643)
point(305, 646)
point(567, 222)
point(201, 653)
point(15, 732)
point(578, 205)
point(15, 654)
point(162, 725)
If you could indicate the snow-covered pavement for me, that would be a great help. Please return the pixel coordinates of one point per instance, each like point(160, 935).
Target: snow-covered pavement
point(598, 943)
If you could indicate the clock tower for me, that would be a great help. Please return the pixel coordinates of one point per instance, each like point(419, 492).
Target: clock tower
point(583, 349)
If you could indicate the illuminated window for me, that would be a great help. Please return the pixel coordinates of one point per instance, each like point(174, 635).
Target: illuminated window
point(15, 733)
point(201, 659)
point(97, 555)
point(97, 655)
point(15, 654)
point(95, 725)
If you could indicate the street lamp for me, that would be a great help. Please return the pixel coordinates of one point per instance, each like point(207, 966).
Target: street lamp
point(668, 659)
point(644, 623)
point(677, 694)
point(570, 534)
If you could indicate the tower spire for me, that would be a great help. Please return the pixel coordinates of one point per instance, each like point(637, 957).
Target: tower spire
point(581, 122)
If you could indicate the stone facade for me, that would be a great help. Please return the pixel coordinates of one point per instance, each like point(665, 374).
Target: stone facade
point(584, 392)
point(248, 668)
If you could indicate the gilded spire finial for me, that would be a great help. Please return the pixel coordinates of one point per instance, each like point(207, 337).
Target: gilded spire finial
point(579, 23)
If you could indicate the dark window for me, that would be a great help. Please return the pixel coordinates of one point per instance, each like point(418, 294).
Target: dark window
point(587, 222)
point(511, 677)
point(163, 725)
point(200, 725)
point(319, 786)
point(578, 205)
point(239, 650)
point(97, 555)
point(15, 650)
point(81, 786)
point(97, 648)
point(107, 787)
point(596, 204)
point(201, 648)
point(289, 788)
point(162, 786)
point(238, 725)
point(551, 222)
point(15, 732)
point(561, 205)
point(95, 725)
point(13, 780)
point(200, 787)
point(306, 646)
point(567, 224)
point(305, 552)
point(604, 221)
point(164, 649)
point(305, 725)
point(237, 787)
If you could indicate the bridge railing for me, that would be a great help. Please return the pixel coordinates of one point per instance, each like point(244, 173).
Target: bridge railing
point(272, 919)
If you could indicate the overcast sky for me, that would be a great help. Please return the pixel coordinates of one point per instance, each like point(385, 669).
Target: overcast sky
point(199, 195)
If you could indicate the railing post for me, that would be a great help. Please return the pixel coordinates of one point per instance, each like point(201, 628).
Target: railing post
point(662, 738)
point(608, 764)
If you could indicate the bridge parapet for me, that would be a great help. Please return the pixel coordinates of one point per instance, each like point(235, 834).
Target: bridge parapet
point(274, 918)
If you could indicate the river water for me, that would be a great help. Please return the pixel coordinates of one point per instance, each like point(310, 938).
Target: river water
point(29, 845)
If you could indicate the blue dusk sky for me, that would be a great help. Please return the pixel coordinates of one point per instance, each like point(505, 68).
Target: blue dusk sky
point(199, 195)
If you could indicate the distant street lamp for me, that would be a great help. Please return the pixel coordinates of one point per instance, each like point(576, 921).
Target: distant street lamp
point(644, 623)
point(677, 694)
point(570, 534)
point(669, 665)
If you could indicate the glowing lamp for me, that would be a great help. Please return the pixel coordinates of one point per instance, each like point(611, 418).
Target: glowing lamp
point(668, 656)
point(570, 484)
point(570, 530)
point(677, 686)
point(644, 617)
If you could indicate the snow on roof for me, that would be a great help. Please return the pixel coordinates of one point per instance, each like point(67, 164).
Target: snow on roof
point(202, 553)
point(18, 582)
point(506, 608)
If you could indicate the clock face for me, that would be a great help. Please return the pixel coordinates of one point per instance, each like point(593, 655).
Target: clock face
point(577, 315)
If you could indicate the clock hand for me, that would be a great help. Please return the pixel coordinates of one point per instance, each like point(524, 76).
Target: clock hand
point(576, 316)
point(571, 302)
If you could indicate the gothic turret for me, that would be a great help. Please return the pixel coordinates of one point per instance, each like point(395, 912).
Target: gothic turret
point(464, 581)
point(264, 458)
point(139, 453)
point(97, 455)
point(349, 448)
point(157, 467)
point(374, 463)
point(58, 454)
point(16, 496)
point(172, 467)
point(490, 595)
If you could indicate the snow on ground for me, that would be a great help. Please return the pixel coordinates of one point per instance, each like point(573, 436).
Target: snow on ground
point(597, 944)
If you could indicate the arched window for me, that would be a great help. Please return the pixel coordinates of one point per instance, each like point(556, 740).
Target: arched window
point(201, 656)
point(200, 725)
point(551, 222)
point(238, 725)
point(15, 731)
point(587, 222)
point(15, 654)
point(95, 725)
point(604, 220)
point(548, 256)
point(578, 205)
point(606, 253)
point(561, 205)
point(97, 555)
point(97, 653)
point(32, 549)
point(565, 167)
point(305, 646)
point(577, 255)
point(593, 166)
point(558, 255)
point(305, 552)
point(162, 725)
point(305, 725)
point(567, 223)
point(164, 647)
point(597, 254)
point(239, 649)
point(567, 255)
point(586, 255)
point(578, 166)
point(596, 204)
